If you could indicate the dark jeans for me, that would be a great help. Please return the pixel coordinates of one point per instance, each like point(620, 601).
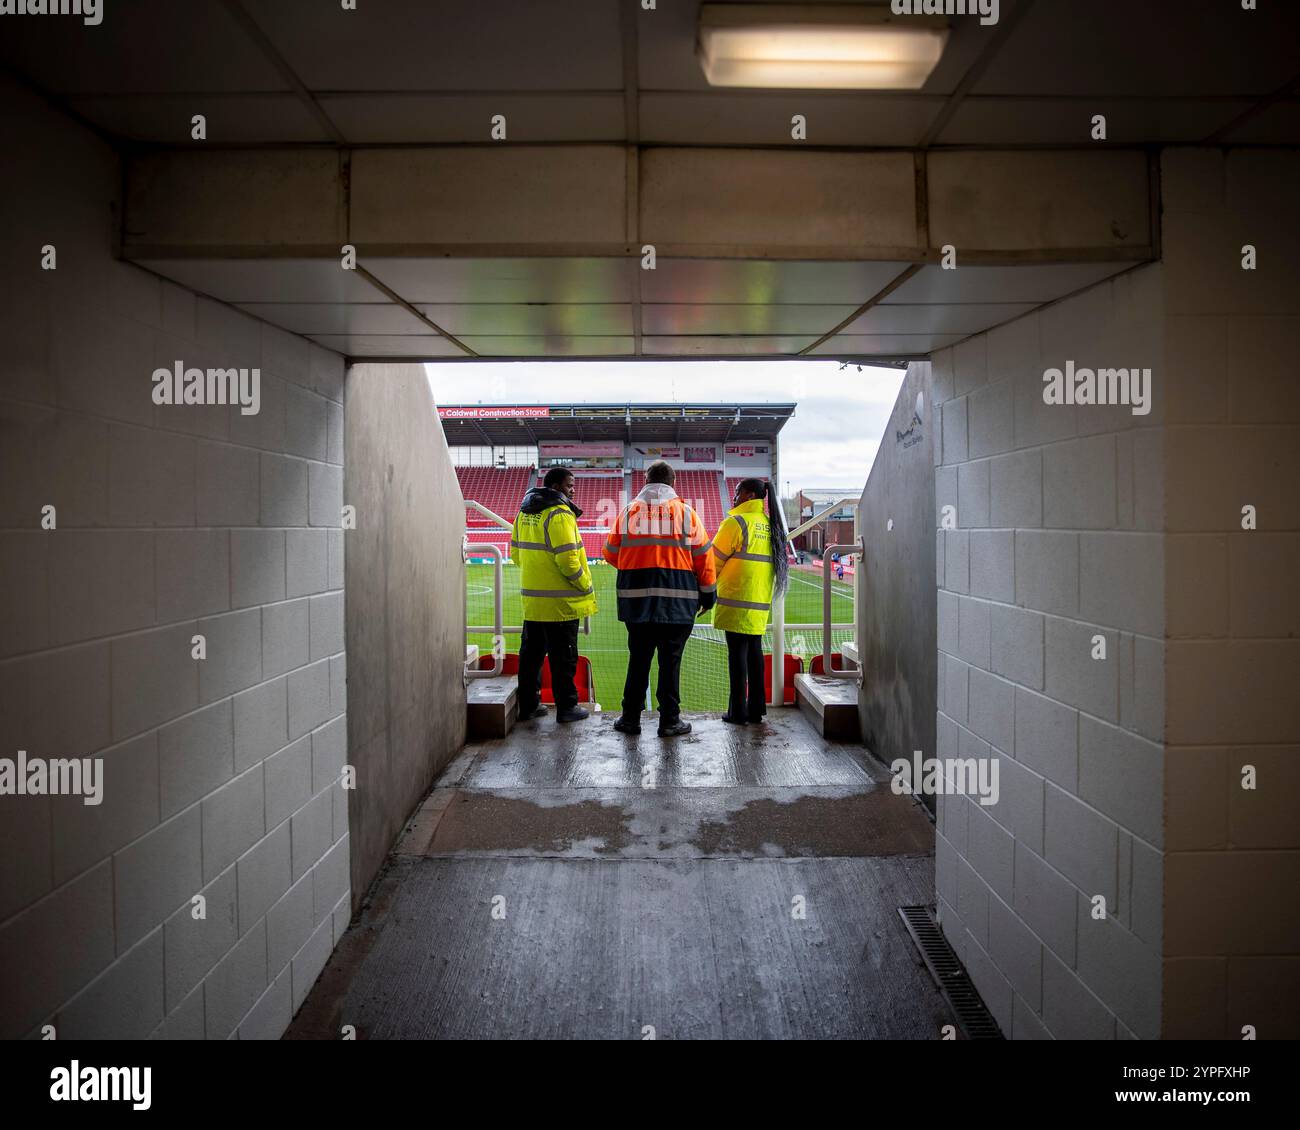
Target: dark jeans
point(643, 640)
point(745, 666)
point(556, 640)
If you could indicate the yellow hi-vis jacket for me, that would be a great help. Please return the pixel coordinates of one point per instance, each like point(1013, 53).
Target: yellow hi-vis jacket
point(555, 580)
point(742, 550)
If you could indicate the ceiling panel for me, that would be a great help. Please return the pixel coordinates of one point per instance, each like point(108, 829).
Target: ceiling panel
point(708, 346)
point(765, 282)
point(884, 346)
point(431, 118)
point(1021, 121)
point(1123, 47)
point(666, 48)
point(961, 318)
point(564, 319)
point(267, 280)
point(338, 318)
point(1035, 283)
point(508, 280)
point(736, 318)
point(230, 120)
point(763, 118)
point(145, 46)
point(448, 45)
point(386, 345)
point(551, 346)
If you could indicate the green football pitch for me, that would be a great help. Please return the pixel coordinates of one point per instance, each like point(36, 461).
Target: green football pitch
point(704, 665)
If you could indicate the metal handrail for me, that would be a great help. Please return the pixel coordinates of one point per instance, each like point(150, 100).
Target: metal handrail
point(778, 612)
point(498, 635)
point(500, 521)
point(827, 670)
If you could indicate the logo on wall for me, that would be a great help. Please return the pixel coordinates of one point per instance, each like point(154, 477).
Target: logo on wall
point(913, 435)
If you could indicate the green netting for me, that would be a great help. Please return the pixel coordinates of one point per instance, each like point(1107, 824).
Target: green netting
point(704, 665)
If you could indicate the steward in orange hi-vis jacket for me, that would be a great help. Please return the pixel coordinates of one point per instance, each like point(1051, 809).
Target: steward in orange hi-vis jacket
point(666, 576)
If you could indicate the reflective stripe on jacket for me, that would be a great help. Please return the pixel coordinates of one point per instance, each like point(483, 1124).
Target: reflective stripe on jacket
point(554, 578)
point(661, 551)
point(742, 551)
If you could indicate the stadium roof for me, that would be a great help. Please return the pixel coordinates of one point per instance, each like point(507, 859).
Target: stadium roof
point(829, 494)
point(505, 424)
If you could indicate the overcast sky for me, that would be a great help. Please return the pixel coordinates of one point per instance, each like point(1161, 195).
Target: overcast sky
point(831, 441)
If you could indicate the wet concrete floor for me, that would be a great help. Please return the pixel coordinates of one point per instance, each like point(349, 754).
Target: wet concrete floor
point(573, 882)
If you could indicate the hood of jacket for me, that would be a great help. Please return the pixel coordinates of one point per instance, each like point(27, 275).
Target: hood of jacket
point(656, 493)
point(539, 498)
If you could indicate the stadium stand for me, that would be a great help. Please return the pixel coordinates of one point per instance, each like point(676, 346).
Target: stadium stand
point(594, 543)
point(482, 536)
point(500, 489)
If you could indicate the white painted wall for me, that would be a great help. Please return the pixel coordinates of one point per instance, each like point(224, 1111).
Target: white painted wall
point(1232, 669)
point(220, 775)
point(1123, 777)
point(1058, 541)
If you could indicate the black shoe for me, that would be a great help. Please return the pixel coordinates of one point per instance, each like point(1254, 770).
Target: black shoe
point(675, 729)
point(757, 719)
point(572, 714)
point(734, 721)
point(623, 726)
point(538, 711)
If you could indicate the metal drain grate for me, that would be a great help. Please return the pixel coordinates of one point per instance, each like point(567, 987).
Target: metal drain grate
point(973, 1018)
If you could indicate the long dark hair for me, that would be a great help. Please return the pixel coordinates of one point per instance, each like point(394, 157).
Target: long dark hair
point(780, 553)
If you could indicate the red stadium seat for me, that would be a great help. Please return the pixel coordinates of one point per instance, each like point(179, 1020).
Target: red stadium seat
point(584, 679)
point(817, 667)
point(500, 489)
point(793, 667)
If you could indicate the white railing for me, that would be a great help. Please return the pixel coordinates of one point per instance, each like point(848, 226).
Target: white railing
point(827, 669)
point(498, 633)
point(778, 611)
point(500, 630)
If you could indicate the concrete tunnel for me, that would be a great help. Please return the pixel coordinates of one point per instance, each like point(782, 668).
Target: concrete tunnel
point(1097, 597)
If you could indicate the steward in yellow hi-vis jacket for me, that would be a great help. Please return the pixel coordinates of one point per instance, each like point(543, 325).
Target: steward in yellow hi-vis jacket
point(750, 552)
point(555, 584)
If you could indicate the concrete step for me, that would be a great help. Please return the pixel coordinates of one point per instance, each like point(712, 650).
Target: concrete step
point(491, 707)
point(831, 705)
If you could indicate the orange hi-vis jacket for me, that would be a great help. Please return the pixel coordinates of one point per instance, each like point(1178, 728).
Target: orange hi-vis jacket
point(661, 551)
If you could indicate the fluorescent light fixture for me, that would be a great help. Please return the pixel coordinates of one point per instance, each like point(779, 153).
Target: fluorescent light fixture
point(817, 46)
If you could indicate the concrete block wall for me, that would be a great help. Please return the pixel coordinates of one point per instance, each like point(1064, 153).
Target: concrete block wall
point(406, 604)
point(896, 626)
point(1056, 544)
point(220, 775)
point(1232, 863)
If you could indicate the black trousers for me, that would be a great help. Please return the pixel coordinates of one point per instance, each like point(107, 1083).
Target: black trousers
point(643, 640)
point(556, 640)
point(745, 671)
